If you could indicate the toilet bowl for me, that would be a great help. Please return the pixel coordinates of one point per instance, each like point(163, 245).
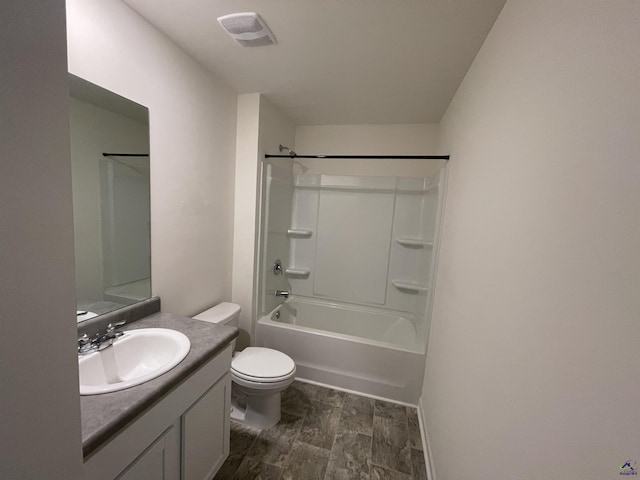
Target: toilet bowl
point(258, 374)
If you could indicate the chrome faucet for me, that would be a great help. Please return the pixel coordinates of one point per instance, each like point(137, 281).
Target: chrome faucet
point(99, 341)
point(282, 293)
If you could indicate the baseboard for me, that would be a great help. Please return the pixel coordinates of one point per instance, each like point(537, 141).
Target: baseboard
point(428, 458)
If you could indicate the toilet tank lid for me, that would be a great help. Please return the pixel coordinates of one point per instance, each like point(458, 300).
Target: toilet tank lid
point(221, 313)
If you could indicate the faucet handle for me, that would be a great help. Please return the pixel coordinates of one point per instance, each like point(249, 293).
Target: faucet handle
point(112, 330)
point(84, 343)
point(112, 326)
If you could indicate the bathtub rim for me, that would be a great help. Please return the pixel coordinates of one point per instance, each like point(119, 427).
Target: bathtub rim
point(266, 319)
point(347, 306)
point(372, 396)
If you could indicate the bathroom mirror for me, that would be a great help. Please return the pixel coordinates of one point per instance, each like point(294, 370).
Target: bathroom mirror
point(111, 215)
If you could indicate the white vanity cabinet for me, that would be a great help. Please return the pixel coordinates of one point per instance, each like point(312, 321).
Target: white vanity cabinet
point(205, 433)
point(183, 436)
point(161, 460)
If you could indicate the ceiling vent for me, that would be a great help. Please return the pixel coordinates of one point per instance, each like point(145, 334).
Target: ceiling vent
point(248, 29)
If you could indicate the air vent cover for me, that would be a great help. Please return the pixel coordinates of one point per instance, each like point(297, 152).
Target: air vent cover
point(248, 29)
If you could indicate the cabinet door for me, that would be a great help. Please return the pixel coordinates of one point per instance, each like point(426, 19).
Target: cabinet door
point(160, 461)
point(205, 432)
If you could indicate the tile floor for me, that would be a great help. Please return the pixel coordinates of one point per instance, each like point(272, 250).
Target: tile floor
point(325, 434)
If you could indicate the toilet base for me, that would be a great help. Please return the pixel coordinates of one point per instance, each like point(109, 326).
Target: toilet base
point(262, 411)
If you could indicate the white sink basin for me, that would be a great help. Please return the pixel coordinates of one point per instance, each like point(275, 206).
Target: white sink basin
point(134, 358)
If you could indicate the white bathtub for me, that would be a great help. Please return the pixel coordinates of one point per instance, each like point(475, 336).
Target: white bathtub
point(363, 349)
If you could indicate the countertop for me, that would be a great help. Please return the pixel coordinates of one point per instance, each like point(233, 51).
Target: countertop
point(103, 416)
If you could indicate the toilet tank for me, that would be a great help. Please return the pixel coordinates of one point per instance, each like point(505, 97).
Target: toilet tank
point(224, 313)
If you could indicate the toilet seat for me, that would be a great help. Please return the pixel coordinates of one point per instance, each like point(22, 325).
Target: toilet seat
point(262, 388)
point(262, 365)
point(249, 378)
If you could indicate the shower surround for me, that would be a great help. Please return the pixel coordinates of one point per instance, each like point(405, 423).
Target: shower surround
point(358, 258)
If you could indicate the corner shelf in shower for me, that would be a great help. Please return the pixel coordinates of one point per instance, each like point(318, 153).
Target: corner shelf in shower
point(297, 272)
point(409, 287)
point(299, 233)
point(411, 242)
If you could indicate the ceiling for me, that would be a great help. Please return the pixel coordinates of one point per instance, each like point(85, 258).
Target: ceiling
point(338, 61)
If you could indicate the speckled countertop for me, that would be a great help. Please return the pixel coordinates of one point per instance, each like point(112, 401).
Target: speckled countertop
point(105, 415)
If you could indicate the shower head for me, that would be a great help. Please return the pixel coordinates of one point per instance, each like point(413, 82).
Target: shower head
point(292, 154)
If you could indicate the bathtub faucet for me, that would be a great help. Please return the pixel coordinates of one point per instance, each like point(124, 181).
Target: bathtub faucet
point(282, 293)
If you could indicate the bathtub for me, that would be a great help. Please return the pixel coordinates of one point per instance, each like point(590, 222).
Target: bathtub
point(362, 349)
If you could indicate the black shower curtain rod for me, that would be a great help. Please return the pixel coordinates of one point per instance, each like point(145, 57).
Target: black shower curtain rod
point(105, 154)
point(370, 157)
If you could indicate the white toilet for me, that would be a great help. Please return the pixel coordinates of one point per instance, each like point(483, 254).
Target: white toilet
point(258, 374)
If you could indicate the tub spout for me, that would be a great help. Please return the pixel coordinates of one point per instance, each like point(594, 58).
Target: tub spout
point(282, 293)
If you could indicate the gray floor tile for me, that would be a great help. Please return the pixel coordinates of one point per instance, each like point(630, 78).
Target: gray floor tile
point(309, 388)
point(242, 438)
point(330, 396)
point(296, 399)
point(326, 434)
point(306, 462)
point(417, 465)
point(350, 457)
point(357, 414)
point(414, 428)
point(252, 468)
point(241, 434)
point(274, 444)
point(320, 425)
point(390, 447)
point(395, 412)
point(380, 473)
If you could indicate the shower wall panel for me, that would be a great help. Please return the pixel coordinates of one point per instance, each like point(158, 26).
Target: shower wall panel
point(406, 262)
point(354, 234)
point(363, 240)
point(303, 248)
point(412, 246)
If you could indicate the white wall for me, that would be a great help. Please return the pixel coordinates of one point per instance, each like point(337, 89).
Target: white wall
point(245, 229)
point(260, 129)
point(276, 129)
point(391, 139)
point(533, 364)
point(39, 401)
point(192, 128)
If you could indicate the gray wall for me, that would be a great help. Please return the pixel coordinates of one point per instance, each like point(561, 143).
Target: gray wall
point(39, 401)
